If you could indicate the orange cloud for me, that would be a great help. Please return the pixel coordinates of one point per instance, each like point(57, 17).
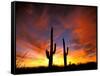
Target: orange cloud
point(85, 29)
point(86, 25)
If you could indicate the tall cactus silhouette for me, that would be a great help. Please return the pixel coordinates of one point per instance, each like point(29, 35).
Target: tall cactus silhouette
point(65, 53)
point(52, 51)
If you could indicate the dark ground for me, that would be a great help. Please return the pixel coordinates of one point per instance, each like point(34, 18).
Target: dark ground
point(71, 67)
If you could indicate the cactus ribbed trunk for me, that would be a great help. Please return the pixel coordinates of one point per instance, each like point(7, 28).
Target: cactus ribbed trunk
point(52, 50)
point(65, 53)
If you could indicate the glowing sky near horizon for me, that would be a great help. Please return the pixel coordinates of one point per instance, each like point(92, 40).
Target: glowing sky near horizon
point(76, 24)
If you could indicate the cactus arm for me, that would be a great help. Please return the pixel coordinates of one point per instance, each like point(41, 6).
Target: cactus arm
point(54, 48)
point(47, 54)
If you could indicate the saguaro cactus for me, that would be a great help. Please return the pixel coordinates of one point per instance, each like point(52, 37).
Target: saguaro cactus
point(65, 53)
point(52, 51)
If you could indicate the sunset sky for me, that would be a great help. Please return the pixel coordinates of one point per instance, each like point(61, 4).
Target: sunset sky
point(76, 24)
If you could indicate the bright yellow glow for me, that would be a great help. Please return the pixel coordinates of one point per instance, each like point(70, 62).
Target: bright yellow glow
point(58, 60)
